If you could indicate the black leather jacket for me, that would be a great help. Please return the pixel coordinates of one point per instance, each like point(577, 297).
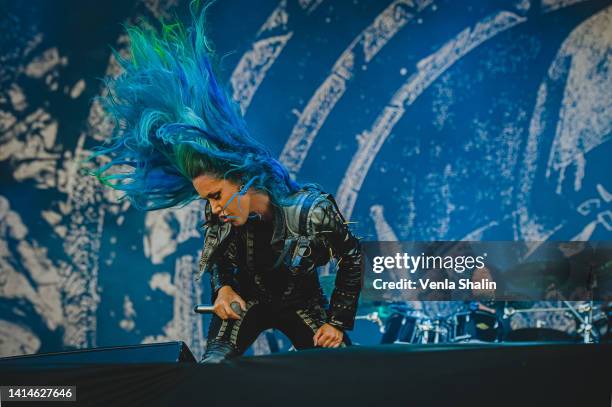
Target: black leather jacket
point(307, 233)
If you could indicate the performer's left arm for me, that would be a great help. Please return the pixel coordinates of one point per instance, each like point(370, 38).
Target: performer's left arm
point(329, 223)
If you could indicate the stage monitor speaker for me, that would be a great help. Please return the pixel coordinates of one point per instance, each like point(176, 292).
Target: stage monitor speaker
point(167, 352)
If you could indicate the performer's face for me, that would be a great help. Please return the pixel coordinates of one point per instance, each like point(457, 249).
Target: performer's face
point(218, 192)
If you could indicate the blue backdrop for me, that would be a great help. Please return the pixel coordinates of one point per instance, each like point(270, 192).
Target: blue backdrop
point(428, 120)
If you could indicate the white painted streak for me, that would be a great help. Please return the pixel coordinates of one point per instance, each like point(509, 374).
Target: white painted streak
point(16, 340)
point(552, 5)
point(27, 272)
point(476, 234)
point(161, 239)
point(309, 5)
point(429, 69)
point(585, 117)
point(363, 48)
point(254, 64)
point(185, 325)
point(528, 227)
point(384, 231)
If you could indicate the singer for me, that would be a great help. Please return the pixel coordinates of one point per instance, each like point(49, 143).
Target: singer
point(179, 137)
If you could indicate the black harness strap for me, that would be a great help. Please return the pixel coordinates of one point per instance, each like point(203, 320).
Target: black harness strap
point(302, 240)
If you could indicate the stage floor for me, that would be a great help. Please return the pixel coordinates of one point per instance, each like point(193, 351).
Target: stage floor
point(391, 375)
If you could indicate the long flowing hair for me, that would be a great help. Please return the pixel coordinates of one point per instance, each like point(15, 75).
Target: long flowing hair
point(173, 121)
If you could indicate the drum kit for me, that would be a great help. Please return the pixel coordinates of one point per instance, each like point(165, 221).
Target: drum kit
point(477, 322)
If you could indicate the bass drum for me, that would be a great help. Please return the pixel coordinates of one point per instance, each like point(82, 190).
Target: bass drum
point(476, 326)
point(402, 327)
point(393, 325)
point(414, 327)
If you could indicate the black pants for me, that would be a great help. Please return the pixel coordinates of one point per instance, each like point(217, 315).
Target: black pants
point(232, 337)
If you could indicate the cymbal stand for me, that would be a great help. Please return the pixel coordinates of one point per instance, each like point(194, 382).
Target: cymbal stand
point(586, 325)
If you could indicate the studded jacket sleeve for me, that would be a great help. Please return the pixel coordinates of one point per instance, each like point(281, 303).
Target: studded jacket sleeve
point(329, 223)
point(219, 253)
point(223, 267)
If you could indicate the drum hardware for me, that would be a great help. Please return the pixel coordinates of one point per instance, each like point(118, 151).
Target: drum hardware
point(431, 331)
point(509, 311)
point(586, 328)
point(475, 325)
point(583, 313)
point(422, 331)
point(405, 325)
point(582, 308)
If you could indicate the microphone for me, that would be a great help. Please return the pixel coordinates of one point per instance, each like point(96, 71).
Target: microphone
point(209, 309)
point(203, 309)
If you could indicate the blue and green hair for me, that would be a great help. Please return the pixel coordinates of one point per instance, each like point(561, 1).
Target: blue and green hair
point(173, 121)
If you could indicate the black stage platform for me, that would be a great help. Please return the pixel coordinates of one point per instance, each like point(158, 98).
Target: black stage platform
point(391, 375)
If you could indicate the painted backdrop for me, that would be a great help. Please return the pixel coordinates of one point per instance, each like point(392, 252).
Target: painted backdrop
point(428, 120)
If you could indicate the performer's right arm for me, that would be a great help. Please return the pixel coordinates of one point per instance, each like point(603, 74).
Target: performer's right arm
point(223, 268)
point(223, 282)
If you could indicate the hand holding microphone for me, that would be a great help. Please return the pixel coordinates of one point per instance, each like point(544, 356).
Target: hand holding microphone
point(227, 305)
